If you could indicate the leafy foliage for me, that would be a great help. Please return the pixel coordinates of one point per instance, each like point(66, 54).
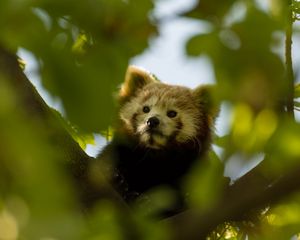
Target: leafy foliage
point(83, 49)
point(54, 32)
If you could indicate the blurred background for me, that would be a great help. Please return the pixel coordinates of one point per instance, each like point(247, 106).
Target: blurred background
point(167, 58)
point(76, 55)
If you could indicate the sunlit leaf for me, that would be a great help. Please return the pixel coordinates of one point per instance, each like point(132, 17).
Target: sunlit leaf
point(22, 63)
point(250, 131)
point(296, 6)
point(205, 183)
point(80, 44)
point(108, 134)
point(297, 91)
point(79, 136)
point(283, 148)
point(8, 225)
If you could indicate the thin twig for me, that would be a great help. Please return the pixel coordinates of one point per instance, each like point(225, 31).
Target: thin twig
point(288, 60)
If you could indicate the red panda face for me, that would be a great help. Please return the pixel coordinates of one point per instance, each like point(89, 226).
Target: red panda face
point(159, 115)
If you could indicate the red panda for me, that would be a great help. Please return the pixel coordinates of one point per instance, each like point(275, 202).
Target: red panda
point(161, 131)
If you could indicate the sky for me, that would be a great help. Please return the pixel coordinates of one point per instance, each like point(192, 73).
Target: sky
point(166, 55)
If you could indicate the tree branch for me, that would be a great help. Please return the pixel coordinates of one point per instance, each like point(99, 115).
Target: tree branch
point(251, 192)
point(77, 161)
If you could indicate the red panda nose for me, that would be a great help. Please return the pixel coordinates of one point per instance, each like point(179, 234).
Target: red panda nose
point(152, 122)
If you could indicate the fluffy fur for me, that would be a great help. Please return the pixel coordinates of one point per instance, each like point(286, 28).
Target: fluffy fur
point(161, 131)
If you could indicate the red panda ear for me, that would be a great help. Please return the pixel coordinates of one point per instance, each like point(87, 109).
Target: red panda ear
point(206, 98)
point(135, 79)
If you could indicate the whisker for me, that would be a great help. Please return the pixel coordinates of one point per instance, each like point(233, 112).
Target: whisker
point(196, 143)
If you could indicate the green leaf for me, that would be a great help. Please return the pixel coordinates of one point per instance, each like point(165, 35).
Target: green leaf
point(82, 138)
point(202, 44)
point(222, 141)
point(108, 134)
point(80, 44)
point(296, 6)
point(82, 52)
point(297, 91)
point(243, 62)
point(205, 183)
point(210, 9)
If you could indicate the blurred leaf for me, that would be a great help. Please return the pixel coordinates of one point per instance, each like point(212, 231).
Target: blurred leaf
point(82, 50)
point(8, 225)
point(104, 223)
point(205, 183)
point(296, 6)
point(150, 229)
point(86, 90)
point(32, 172)
point(222, 141)
point(202, 44)
point(22, 63)
point(283, 148)
point(283, 219)
point(108, 134)
point(225, 231)
point(250, 131)
point(82, 138)
point(155, 202)
point(212, 10)
point(297, 91)
point(244, 68)
point(80, 44)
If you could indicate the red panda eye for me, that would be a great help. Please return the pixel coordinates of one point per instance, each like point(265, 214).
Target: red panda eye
point(146, 109)
point(171, 114)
